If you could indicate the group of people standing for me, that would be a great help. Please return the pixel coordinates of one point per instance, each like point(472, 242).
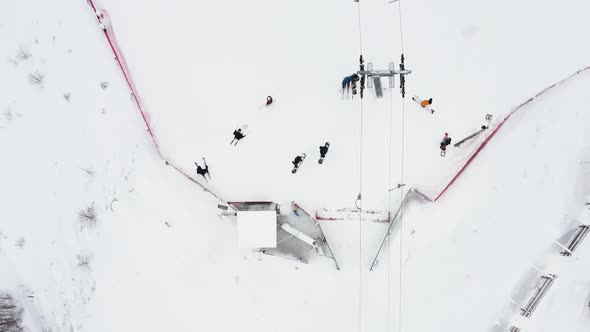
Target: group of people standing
point(426, 104)
point(347, 82)
point(240, 133)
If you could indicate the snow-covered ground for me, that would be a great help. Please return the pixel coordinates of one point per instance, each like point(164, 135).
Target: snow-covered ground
point(158, 257)
point(204, 69)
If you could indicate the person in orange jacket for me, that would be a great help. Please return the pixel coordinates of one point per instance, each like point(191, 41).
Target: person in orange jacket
point(424, 103)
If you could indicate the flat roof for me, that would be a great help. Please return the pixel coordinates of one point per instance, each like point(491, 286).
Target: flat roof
point(257, 229)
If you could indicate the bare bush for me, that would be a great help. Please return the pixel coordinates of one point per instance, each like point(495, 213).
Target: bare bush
point(20, 242)
point(87, 217)
point(8, 115)
point(22, 54)
point(104, 85)
point(67, 96)
point(83, 261)
point(36, 78)
point(10, 314)
point(88, 171)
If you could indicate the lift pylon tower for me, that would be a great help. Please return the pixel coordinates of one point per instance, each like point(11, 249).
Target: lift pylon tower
point(374, 77)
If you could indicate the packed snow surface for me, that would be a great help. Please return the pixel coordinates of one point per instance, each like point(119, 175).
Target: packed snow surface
point(152, 254)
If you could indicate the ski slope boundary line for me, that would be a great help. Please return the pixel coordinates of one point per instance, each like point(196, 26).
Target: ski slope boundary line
point(485, 142)
point(103, 20)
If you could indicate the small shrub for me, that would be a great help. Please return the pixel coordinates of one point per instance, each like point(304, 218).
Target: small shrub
point(83, 261)
point(36, 78)
point(8, 115)
point(87, 217)
point(88, 171)
point(20, 242)
point(22, 54)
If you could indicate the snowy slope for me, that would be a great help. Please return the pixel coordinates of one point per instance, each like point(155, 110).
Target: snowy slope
point(160, 259)
point(502, 217)
point(137, 265)
point(472, 58)
point(60, 157)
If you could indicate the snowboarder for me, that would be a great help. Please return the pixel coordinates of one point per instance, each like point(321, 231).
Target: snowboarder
point(269, 100)
point(346, 84)
point(297, 162)
point(203, 171)
point(424, 103)
point(238, 135)
point(323, 151)
point(443, 144)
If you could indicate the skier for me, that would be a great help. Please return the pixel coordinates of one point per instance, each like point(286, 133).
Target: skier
point(238, 135)
point(346, 82)
point(203, 171)
point(269, 100)
point(424, 103)
point(323, 151)
point(443, 144)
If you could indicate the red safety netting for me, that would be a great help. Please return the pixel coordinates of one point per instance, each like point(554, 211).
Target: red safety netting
point(485, 142)
point(104, 21)
point(105, 24)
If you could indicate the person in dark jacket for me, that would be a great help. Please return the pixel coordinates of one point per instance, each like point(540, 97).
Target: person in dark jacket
point(443, 144)
point(297, 160)
point(324, 150)
point(238, 135)
point(203, 171)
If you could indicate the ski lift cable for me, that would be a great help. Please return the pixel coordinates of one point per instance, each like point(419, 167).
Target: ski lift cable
point(401, 30)
point(360, 27)
point(401, 212)
point(401, 219)
point(360, 205)
point(389, 209)
point(400, 298)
